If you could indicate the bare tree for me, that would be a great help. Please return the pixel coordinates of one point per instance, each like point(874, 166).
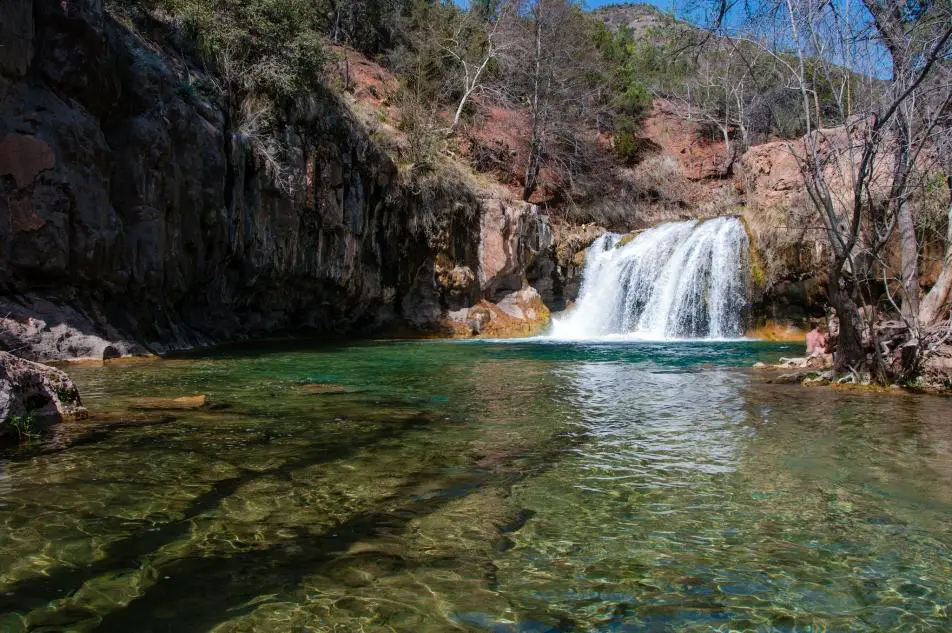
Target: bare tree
point(860, 177)
point(547, 69)
point(728, 86)
point(477, 39)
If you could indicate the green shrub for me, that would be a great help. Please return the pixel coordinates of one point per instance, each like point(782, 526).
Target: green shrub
point(23, 426)
point(268, 47)
point(628, 148)
point(260, 46)
point(634, 101)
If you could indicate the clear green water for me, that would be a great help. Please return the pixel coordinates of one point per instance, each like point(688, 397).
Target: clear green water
point(481, 487)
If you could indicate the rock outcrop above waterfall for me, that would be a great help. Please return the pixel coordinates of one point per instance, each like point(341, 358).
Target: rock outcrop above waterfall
point(136, 216)
point(34, 395)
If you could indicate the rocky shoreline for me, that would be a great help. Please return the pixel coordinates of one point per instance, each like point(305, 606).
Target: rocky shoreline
point(34, 396)
point(817, 371)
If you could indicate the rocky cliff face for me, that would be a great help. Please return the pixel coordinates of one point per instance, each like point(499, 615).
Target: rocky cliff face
point(137, 214)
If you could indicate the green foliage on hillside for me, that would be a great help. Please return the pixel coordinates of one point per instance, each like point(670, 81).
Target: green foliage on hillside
point(263, 47)
point(639, 65)
point(590, 79)
point(722, 84)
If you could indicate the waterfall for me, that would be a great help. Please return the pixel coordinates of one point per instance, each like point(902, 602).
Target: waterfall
point(677, 280)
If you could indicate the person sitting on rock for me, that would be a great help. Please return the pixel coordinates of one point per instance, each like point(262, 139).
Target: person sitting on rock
point(816, 341)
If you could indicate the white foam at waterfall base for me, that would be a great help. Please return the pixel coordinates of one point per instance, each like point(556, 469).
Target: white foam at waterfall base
point(681, 280)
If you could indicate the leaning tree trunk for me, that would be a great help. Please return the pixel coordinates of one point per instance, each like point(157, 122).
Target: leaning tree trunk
point(931, 310)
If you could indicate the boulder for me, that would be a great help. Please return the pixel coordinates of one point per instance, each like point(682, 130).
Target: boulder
point(42, 331)
point(478, 318)
point(519, 313)
point(937, 372)
point(525, 305)
point(36, 394)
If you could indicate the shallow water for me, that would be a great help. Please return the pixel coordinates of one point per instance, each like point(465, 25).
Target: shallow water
point(482, 487)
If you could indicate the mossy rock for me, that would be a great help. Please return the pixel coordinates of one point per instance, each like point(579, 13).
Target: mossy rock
point(628, 239)
point(758, 276)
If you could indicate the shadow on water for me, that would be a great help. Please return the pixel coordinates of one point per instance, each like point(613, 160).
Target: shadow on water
point(198, 592)
point(35, 592)
point(65, 438)
point(206, 591)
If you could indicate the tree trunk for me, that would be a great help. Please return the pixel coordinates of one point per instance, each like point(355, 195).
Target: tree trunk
point(532, 174)
point(909, 254)
point(931, 310)
point(902, 210)
point(849, 354)
point(459, 110)
point(730, 154)
point(532, 163)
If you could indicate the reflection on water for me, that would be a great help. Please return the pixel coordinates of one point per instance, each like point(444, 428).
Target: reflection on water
point(484, 488)
point(656, 426)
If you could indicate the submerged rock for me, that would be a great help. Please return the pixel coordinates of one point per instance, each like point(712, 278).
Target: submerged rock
point(320, 389)
point(180, 403)
point(34, 394)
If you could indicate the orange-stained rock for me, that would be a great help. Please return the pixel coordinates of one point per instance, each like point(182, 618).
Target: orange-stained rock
point(773, 331)
point(772, 174)
point(520, 313)
point(679, 139)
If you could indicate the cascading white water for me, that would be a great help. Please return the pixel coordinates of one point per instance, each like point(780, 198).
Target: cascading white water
point(677, 280)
